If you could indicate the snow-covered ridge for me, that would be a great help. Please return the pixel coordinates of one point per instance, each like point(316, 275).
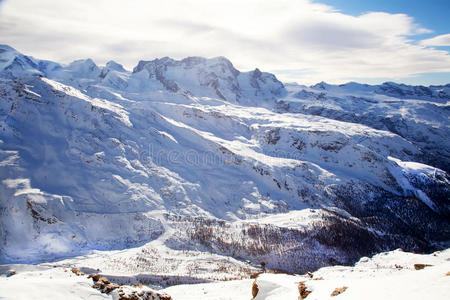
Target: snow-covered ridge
point(193, 76)
point(434, 92)
point(418, 114)
point(197, 157)
point(215, 78)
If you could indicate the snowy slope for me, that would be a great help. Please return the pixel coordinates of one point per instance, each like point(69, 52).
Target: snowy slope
point(417, 113)
point(37, 282)
point(389, 275)
point(191, 155)
point(44, 283)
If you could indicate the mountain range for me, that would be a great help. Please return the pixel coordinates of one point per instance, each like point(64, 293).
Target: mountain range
point(194, 156)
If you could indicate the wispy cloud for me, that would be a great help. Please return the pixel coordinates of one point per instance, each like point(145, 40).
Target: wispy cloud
point(282, 35)
point(440, 40)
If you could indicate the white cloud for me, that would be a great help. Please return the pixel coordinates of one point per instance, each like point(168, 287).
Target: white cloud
point(305, 41)
point(440, 40)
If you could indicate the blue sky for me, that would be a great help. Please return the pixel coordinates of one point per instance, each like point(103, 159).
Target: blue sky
point(299, 40)
point(431, 14)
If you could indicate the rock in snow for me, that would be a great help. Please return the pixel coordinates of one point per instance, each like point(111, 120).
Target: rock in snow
point(193, 160)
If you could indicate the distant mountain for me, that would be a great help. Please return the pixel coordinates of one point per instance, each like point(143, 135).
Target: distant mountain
point(197, 156)
point(434, 92)
point(417, 113)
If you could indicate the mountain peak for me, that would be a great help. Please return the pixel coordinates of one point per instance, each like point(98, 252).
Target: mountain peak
point(155, 62)
point(4, 48)
point(112, 65)
point(84, 68)
point(15, 64)
point(257, 73)
point(210, 77)
point(83, 62)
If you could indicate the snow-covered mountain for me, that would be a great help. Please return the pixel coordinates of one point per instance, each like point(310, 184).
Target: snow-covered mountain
point(193, 156)
point(417, 113)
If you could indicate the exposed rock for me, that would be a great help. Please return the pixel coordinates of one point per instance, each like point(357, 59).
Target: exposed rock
point(104, 280)
point(77, 272)
point(135, 292)
point(110, 287)
point(255, 289)
point(338, 291)
point(95, 277)
point(303, 290)
point(421, 266)
point(98, 285)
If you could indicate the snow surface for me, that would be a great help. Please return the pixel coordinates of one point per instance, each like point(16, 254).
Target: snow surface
point(389, 275)
point(46, 283)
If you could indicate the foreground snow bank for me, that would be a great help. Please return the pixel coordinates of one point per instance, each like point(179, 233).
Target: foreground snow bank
point(389, 275)
point(32, 282)
point(40, 282)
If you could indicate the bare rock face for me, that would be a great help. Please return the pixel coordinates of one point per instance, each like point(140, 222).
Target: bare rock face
point(255, 289)
point(104, 280)
point(95, 277)
point(338, 291)
point(303, 290)
point(77, 272)
point(110, 287)
point(421, 266)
